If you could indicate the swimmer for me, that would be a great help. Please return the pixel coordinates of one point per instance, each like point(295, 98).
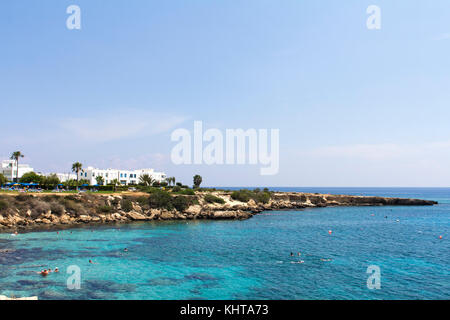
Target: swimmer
point(126, 249)
point(56, 269)
point(299, 254)
point(44, 273)
point(292, 254)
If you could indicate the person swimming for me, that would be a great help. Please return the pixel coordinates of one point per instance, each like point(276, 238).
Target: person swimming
point(126, 249)
point(56, 269)
point(44, 273)
point(292, 254)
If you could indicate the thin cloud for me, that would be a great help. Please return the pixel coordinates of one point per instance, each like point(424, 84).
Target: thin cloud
point(126, 124)
point(443, 36)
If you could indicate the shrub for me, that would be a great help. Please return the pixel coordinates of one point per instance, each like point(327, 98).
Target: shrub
point(39, 207)
point(127, 205)
point(143, 201)
point(161, 199)
point(23, 197)
point(245, 195)
point(180, 203)
point(242, 195)
point(176, 189)
point(105, 209)
point(213, 199)
point(56, 208)
point(3, 205)
point(188, 192)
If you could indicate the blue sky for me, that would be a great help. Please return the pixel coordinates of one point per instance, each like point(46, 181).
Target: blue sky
point(355, 107)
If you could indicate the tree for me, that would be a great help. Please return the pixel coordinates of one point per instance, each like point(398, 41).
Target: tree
point(146, 180)
point(16, 156)
point(3, 179)
point(197, 181)
point(100, 180)
point(114, 182)
point(51, 180)
point(171, 181)
point(30, 177)
point(77, 167)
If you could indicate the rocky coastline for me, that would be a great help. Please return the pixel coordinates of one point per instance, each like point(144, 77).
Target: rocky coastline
point(54, 211)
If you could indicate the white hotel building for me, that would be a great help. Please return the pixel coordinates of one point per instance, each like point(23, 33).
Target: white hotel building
point(9, 169)
point(125, 177)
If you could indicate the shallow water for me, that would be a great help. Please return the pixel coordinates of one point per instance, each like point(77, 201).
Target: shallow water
point(246, 259)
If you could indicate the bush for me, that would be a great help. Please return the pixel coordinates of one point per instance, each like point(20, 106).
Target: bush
point(213, 199)
point(176, 189)
point(3, 205)
point(161, 200)
point(105, 209)
point(23, 197)
point(180, 203)
point(143, 201)
point(242, 195)
point(188, 192)
point(245, 195)
point(56, 208)
point(127, 205)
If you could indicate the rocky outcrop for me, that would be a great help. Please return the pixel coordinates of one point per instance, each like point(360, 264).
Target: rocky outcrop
point(43, 212)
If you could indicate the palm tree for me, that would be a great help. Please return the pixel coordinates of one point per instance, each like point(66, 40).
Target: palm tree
point(100, 180)
point(172, 180)
point(16, 156)
point(197, 181)
point(77, 167)
point(146, 180)
point(114, 182)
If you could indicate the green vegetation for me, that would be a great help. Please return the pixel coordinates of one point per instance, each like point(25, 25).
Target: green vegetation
point(31, 177)
point(100, 180)
point(197, 181)
point(213, 199)
point(16, 156)
point(245, 195)
point(180, 203)
point(146, 180)
point(163, 200)
point(105, 209)
point(77, 167)
point(3, 205)
point(127, 205)
point(3, 179)
point(160, 199)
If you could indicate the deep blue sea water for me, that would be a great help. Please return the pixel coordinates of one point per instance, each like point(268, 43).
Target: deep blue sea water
point(247, 259)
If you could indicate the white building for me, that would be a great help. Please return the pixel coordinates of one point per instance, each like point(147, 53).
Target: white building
point(9, 169)
point(63, 177)
point(125, 177)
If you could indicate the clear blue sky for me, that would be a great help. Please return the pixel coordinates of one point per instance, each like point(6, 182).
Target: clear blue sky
point(355, 107)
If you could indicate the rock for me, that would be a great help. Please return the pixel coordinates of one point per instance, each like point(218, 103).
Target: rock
point(133, 215)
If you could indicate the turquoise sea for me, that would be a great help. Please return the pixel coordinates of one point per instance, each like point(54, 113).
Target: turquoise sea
point(247, 259)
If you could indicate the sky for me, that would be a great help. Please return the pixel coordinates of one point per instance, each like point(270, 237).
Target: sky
point(354, 107)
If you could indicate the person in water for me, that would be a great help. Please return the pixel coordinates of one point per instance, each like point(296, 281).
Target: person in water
point(44, 273)
point(292, 254)
point(56, 269)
